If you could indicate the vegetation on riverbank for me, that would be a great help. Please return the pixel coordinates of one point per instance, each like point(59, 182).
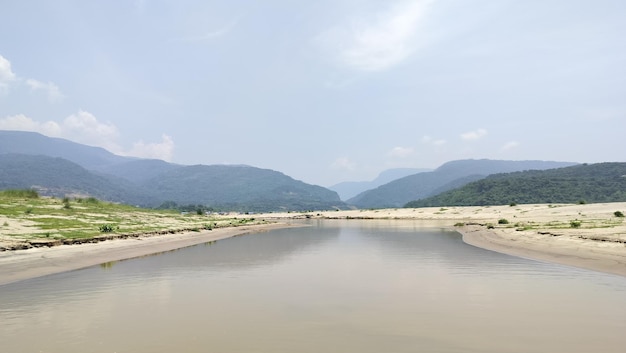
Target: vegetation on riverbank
point(25, 216)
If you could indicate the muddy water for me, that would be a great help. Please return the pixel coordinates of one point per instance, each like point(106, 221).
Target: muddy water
point(357, 286)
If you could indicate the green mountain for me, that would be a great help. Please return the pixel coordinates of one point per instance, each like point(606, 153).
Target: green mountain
point(602, 182)
point(448, 176)
point(240, 187)
point(59, 167)
point(139, 170)
point(53, 176)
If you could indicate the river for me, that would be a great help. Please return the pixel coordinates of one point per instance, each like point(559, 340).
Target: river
point(333, 286)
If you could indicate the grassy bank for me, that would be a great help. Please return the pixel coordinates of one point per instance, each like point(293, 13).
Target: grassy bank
point(26, 217)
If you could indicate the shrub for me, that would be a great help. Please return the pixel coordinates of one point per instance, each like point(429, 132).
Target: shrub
point(490, 226)
point(618, 214)
point(575, 223)
point(503, 221)
point(106, 228)
point(513, 204)
point(459, 224)
point(92, 200)
point(582, 202)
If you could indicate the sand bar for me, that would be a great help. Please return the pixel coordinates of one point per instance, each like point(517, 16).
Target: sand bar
point(571, 251)
point(541, 232)
point(17, 265)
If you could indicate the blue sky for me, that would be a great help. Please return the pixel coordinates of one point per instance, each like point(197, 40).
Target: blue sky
point(323, 91)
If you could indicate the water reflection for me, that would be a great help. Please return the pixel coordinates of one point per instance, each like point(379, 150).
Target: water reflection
point(338, 286)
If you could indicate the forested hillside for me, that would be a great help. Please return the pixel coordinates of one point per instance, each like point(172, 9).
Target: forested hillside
point(602, 182)
point(220, 187)
point(450, 175)
point(240, 187)
point(53, 176)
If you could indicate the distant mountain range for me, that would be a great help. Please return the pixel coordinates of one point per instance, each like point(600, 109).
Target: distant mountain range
point(32, 143)
point(448, 176)
point(601, 182)
point(58, 167)
point(349, 189)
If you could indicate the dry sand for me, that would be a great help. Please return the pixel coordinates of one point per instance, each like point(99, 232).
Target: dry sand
point(541, 232)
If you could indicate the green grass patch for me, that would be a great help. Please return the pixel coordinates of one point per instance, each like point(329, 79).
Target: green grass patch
point(45, 217)
point(19, 193)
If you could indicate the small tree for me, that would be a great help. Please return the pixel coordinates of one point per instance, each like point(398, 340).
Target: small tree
point(618, 214)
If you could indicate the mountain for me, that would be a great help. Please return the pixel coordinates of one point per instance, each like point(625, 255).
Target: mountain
point(349, 189)
point(54, 176)
point(602, 182)
point(450, 175)
point(240, 187)
point(32, 143)
point(59, 167)
point(139, 170)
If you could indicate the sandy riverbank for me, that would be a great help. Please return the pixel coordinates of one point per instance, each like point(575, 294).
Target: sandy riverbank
point(17, 265)
point(541, 232)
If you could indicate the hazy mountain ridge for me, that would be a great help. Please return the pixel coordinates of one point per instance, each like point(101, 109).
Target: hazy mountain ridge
point(54, 176)
point(601, 182)
point(33, 143)
point(59, 167)
point(254, 189)
point(140, 170)
point(349, 189)
point(448, 176)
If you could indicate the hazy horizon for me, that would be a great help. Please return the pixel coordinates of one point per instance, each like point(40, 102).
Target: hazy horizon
point(324, 92)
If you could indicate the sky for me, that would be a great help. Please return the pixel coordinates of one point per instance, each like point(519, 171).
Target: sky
point(323, 91)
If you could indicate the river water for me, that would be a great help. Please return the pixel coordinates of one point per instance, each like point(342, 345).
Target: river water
point(334, 286)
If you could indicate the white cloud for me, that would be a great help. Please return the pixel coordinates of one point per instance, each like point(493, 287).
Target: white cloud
point(21, 122)
point(83, 127)
point(431, 141)
point(510, 145)
point(378, 42)
point(344, 163)
point(52, 91)
point(6, 74)
point(474, 135)
point(401, 152)
point(162, 150)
